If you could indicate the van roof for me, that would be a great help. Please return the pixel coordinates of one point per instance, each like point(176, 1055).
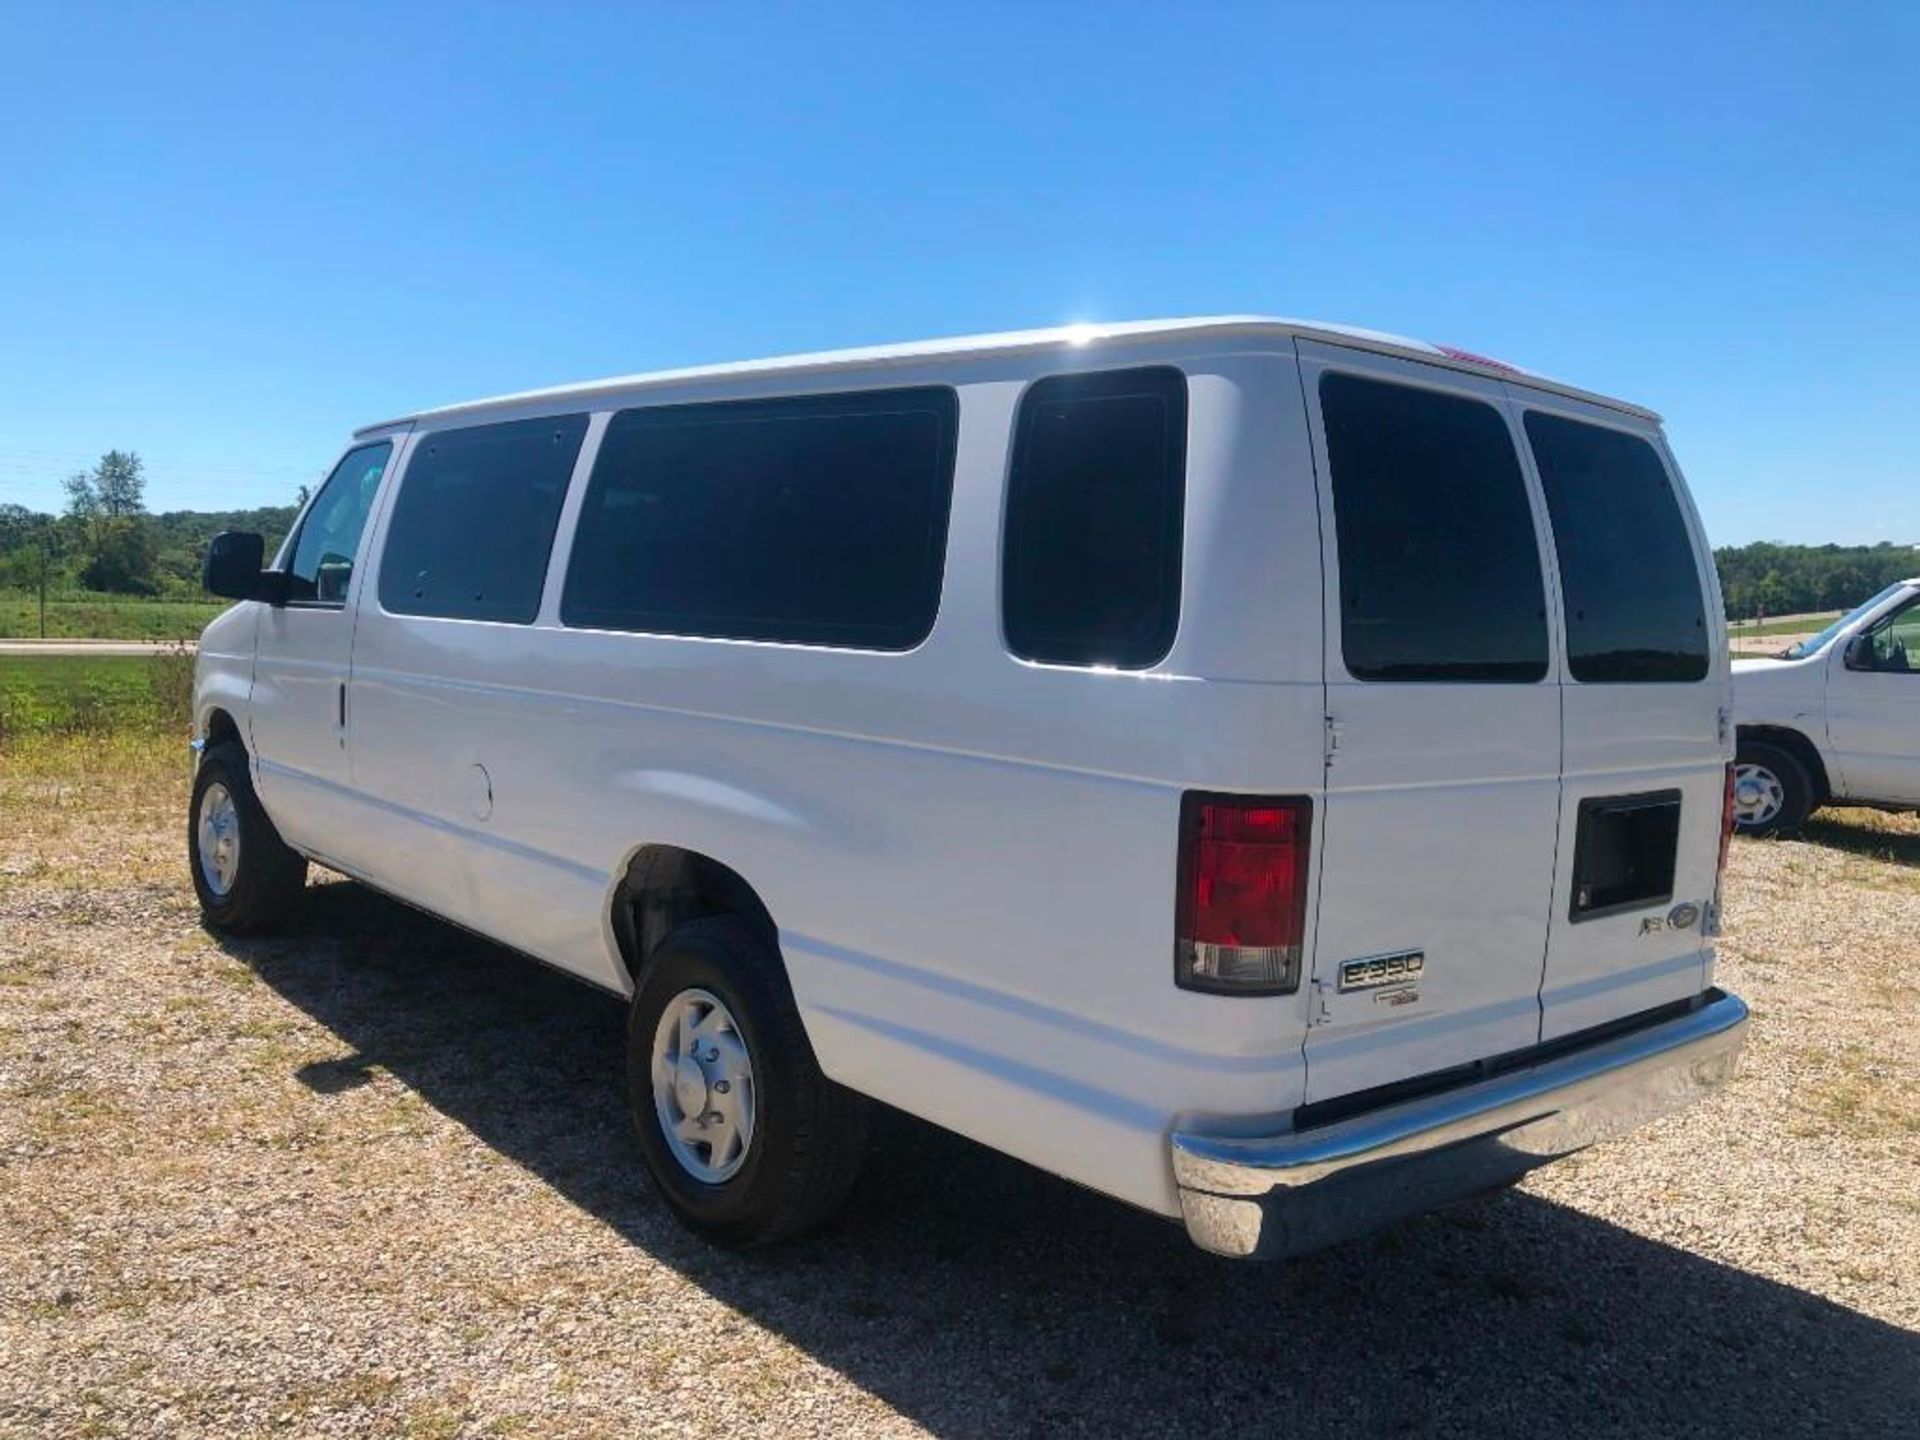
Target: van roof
point(1208, 327)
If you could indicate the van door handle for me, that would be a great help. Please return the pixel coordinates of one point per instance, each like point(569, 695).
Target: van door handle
point(343, 704)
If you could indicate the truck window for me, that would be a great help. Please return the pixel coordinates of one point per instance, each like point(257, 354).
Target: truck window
point(473, 524)
point(817, 520)
point(1893, 646)
point(1439, 563)
point(1635, 612)
point(1095, 497)
point(322, 556)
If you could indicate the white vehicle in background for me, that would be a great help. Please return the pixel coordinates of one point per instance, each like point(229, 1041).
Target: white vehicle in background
point(1832, 720)
point(1272, 774)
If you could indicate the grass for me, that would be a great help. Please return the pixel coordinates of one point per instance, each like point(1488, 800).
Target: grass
point(1862, 1097)
point(1801, 625)
point(104, 617)
point(87, 813)
point(94, 694)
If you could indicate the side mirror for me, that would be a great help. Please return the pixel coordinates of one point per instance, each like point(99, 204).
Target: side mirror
point(233, 569)
point(1859, 653)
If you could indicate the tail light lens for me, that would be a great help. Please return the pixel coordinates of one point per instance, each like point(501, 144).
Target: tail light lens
point(1243, 894)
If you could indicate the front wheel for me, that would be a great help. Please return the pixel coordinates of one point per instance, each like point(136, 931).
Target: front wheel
point(245, 875)
point(748, 1141)
point(1772, 792)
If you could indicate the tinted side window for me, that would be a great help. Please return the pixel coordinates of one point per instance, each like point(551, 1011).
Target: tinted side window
point(322, 559)
point(1095, 504)
point(1439, 565)
point(1635, 611)
point(473, 524)
point(815, 520)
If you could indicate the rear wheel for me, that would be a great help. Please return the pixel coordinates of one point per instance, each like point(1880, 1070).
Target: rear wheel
point(1772, 792)
point(245, 875)
point(748, 1141)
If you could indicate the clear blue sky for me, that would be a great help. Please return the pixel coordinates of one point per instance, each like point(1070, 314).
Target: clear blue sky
point(228, 234)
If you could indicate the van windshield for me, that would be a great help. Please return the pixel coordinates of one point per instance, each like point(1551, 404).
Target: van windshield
point(1814, 644)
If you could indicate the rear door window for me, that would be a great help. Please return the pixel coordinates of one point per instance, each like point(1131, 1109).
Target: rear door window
point(1095, 499)
point(1635, 609)
point(473, 524)
point(1439, 562)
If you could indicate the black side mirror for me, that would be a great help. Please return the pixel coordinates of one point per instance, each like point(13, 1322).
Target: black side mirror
point(233, 569)
point(1859, 653)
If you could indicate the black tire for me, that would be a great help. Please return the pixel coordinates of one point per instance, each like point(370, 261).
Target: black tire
point(809, 1134)
point(269, 878)
point(1796, 788)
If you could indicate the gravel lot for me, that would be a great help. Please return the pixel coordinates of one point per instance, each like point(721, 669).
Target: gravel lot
point(375, 1178)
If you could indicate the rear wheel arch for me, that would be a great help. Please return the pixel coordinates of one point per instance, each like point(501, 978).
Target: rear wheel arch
point(662, 887)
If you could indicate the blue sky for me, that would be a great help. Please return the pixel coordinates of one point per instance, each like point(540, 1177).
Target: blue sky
point(230, 234)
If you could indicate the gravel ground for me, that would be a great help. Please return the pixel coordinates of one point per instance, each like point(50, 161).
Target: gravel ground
point(374, 1178)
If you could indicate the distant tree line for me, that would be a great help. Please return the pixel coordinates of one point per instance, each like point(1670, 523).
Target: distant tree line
point(1768, 579)
point(108, 541)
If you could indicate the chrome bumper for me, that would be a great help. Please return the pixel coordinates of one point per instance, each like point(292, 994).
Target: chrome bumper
point(1277, 1195)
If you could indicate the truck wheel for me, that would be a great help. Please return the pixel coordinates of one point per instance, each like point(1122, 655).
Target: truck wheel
point(245, 875)
point(1772, 792)
point(748, 1141)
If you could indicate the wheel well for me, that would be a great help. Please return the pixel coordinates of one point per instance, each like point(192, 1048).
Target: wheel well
point(221, 729)
point(664, 887)
point(1798, 746)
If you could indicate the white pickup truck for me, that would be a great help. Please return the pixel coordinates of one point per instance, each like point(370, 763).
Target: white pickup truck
point(1832, 720)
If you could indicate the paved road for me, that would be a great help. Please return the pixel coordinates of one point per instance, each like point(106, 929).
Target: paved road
point(85, 647)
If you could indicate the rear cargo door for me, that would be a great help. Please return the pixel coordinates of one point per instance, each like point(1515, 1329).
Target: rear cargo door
point(1645, 713)
point(1443, 766)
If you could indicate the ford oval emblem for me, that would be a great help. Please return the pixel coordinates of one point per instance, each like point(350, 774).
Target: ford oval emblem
point(1683, 916)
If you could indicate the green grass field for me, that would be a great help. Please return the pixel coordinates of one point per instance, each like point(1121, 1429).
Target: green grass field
point(44, 695)
point(1799, 625)
point(104, 617)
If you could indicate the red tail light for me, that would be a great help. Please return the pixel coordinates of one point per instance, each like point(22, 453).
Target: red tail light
point(1243, 894)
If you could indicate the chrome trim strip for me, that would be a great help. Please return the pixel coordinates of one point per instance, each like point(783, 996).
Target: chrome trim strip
point(1283, 1194)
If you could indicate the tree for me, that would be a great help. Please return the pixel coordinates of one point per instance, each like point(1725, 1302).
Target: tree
point(115, 488)
point(121, 557)
point(18, 525)
point(108, 507)
point(121, 483)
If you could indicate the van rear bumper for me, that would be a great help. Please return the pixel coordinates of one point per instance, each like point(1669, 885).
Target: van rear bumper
point(1270, 1196)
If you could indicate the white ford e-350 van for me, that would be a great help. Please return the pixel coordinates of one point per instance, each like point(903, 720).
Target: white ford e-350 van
point(1273, 774)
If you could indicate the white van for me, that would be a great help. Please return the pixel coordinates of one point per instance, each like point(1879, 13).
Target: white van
point(1834, 719)
point(1273, 774)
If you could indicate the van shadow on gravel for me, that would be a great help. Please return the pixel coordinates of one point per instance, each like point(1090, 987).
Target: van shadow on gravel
point(980, 1297)
point(1826, 829)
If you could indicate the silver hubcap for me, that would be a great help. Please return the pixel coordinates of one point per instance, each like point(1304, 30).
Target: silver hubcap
point(1757, 794)
point(703, 1086)
point(218, 839)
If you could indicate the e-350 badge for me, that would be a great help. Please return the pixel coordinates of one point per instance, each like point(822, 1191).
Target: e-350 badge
point(1378, 970)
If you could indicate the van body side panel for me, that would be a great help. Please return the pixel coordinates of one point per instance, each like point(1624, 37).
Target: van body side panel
point(970, 858)
point(299, 730)
point(223, 665)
